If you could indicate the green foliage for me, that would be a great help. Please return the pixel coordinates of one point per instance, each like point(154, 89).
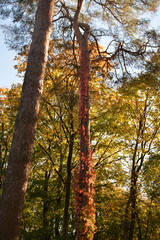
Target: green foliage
point(9, 99)
point(152, 177)
point(116, 117)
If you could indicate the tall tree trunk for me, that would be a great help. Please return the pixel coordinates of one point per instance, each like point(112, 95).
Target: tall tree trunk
point(22, 145)
point(85, 209)
point(69, 168)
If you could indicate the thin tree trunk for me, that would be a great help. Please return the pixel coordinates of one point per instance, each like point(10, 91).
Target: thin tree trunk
point(148, 220)
point(69, 166)
point(130, 207)
point(133, 206)
point(68, 181)
point(139, 227)
point(46, 235)
point(57, 219)
point(22, 145)
point(68, 190)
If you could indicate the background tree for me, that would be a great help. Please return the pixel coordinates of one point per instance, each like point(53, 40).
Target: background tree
point(112, 12)
point(9, 99)
point(59, 99)
point(113, 138)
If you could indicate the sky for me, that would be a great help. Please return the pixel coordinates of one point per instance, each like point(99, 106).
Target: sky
point(7, 71)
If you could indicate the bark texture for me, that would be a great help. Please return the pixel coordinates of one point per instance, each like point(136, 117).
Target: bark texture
point(85, 208)
point(84, 177)
point(22, 145)
point(69, 173)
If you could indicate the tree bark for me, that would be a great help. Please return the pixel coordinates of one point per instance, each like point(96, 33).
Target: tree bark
point(68, 189)
point(46, 235)
point(22, 145)
point(133, 206)
point(85, 209)
point(130, 212)
point(69, 175)
point(85, 156)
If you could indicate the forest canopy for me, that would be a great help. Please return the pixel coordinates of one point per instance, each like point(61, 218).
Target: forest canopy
point(94, 168)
